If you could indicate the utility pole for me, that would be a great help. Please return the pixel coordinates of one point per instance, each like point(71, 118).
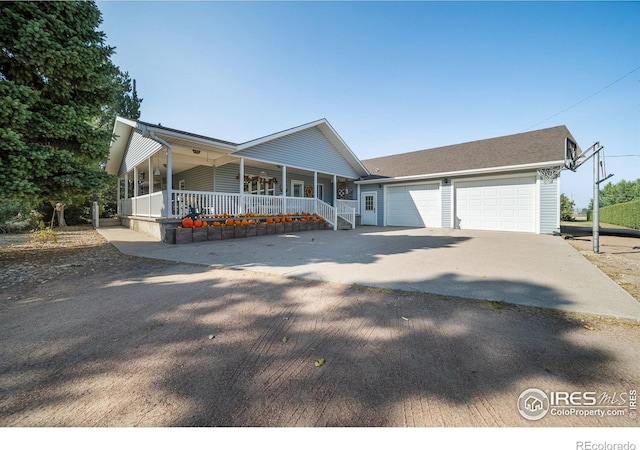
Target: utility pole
point(596, 199)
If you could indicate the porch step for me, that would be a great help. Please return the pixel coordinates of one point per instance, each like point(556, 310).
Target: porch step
point(343, 224)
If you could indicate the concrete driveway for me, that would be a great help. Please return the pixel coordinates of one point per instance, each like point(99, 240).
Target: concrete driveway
point(519, 268)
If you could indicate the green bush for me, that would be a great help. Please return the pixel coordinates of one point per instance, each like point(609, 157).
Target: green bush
point(17, 216)
point(623, 214)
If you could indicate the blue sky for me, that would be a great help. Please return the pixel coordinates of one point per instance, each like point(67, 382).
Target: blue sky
point(390, 77)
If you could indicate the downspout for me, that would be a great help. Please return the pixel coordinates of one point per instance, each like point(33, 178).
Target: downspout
point(169, 172)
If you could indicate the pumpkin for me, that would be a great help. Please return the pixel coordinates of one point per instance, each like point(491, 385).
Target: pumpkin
point(277, 220)
point(216, 224)
point(197, 223)
point(229, 221)
point(187, 222)
point(225, 215)
point(251, 222)
point(205, 223)
point(269, 219)
point(289, 219)
point(245, 222)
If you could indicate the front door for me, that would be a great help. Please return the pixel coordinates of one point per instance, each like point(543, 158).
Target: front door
point(369, 208)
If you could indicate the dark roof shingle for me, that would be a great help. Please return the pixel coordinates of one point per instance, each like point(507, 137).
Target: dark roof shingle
point(523, 148)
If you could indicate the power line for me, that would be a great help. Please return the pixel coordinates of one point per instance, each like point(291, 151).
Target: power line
point(584, 99)
point(622, 156)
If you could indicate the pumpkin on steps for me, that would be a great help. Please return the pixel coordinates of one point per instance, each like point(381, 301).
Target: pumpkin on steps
point(187, 222)
point(229, 221)
point(197, 223)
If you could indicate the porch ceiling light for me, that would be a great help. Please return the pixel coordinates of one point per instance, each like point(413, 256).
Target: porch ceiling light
point(156, 172)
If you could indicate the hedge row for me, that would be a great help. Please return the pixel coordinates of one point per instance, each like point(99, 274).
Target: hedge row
point(623, 214)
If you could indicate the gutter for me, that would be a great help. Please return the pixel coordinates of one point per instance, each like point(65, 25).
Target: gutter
point(463, 172)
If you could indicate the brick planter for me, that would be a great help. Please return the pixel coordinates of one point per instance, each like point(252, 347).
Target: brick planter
point(199, 234)
point(240, 231)
point(303, 226)
point(184, 235)
point(214, 233)
point(228, 232)
point(295, 227)
point(279, 228)
point(288, 227)
point(271, 228)
point(261, 229)
point(252, 230)
point(170, 235)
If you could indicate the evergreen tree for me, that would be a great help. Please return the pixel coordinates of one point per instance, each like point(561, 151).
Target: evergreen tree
point(58, 88)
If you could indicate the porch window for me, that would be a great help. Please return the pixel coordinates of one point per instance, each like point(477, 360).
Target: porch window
point(320, 193)
point(257, 185)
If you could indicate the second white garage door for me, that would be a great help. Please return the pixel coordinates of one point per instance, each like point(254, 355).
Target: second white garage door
point(501, 205)
point(415, 205)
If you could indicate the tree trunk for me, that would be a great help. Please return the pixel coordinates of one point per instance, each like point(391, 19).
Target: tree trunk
point(58, 213)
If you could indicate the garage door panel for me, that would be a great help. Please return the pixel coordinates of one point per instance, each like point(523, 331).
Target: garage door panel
point(504, 205)
point(413, 206)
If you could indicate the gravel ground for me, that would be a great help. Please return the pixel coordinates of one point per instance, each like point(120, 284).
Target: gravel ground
point(93, 338)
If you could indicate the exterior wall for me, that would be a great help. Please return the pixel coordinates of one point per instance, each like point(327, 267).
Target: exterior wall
point(549, 209)
point(308, 149)
point(446, 203)
point(138, 150)
point(199, 178)
point(225, 180)
point(380, 197)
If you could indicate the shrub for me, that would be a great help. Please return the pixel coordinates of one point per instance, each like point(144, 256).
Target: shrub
point(623, 214)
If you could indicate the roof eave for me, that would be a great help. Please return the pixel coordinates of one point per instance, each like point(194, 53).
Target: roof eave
point(454, 173)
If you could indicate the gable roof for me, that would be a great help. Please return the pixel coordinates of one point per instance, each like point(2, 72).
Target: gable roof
point(224, 150)
point(540, 148)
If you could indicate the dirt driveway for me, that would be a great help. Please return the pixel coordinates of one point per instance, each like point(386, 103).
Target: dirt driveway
point(92, 338)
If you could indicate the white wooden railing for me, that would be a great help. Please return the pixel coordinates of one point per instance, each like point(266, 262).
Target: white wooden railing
point(210, 203)
point(355, 204)
point(346, 212)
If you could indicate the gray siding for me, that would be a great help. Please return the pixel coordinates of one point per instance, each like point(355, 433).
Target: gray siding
point(138, 150)
point(199, 178)
point(446, 204)
point(225, 180)
point(307, 149)
point(380, 206)
point(549, 207)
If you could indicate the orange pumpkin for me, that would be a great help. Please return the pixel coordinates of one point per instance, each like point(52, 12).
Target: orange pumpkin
point(269, 219)
point(197, 223)
point(245, 222)
point(289, 219)
point(216, 224)
point(251, 222)
point(229, 221)
point(187, 222)
point(205, 223)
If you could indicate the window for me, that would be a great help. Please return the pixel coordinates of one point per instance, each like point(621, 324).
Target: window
point(297, 188)
point(320, 193)
point(257, 185)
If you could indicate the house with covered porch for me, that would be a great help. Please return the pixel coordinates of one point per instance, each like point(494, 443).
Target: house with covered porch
point(165, 174)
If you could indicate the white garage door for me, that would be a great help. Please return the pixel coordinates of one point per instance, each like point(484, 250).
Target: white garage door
point(413, 206)
point(501, 205)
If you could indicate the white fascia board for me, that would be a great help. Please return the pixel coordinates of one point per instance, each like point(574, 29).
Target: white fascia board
point(146, 130)
point(325, 128)
point(121, 131)
point(279, 134)
point(465, 172)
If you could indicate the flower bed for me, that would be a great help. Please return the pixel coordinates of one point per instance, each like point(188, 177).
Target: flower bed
point(212, 228)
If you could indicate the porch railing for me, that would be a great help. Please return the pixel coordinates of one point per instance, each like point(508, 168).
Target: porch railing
point(355, 204)
point(346, 212)
point(210, 203)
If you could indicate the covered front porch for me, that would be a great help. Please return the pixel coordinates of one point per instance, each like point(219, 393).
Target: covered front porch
point(167, 174)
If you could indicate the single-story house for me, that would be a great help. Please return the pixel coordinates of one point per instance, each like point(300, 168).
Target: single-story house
point(164, 173)
point(509, 183)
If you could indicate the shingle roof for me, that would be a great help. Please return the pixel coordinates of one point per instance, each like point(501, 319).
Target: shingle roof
point(523, 148)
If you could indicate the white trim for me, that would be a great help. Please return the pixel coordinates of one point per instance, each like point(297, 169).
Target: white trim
point(363, 208)
point(461, 173)
point(537, 200)
point(290, 166)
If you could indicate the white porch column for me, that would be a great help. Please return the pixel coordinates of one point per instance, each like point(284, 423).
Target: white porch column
point(119, 203)
point(335, 202)
point(315, 190)
point(284, 189)
point(241, 181)
point(150, 178)
point(170, 210)
point(134, 198)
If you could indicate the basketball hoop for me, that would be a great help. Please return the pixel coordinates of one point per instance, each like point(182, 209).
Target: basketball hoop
point(548, 174)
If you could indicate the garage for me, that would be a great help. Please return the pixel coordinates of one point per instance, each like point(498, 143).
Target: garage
point(500, 204)
point(416, 205)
